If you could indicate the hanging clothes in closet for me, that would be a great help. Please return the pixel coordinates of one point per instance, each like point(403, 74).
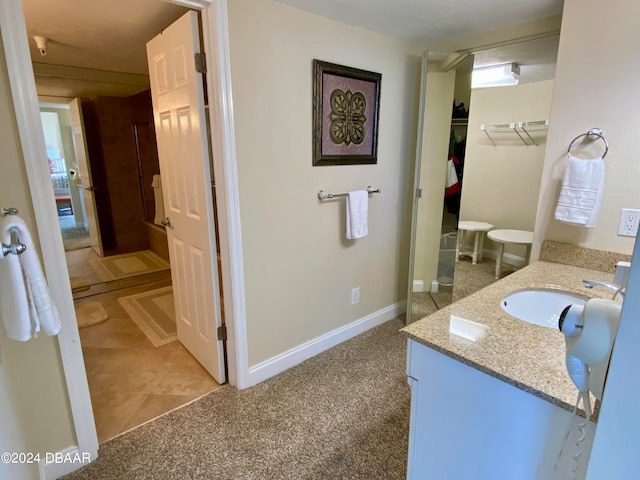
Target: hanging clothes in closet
point(454, 174)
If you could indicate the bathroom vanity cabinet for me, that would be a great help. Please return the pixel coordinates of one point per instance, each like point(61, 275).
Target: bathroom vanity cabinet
point(466, 424)
point(493, 400)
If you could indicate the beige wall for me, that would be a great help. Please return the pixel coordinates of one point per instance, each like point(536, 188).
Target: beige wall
point(435, 148)
point(501, 183)
point(34, 414)
point(596, 86)
point(299, 269)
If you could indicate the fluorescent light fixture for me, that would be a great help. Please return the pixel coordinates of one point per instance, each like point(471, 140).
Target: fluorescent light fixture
point(495, 76)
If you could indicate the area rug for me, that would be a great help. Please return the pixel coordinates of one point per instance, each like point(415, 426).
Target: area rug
point(127, 265)
point(90, 313)
point(154, 313)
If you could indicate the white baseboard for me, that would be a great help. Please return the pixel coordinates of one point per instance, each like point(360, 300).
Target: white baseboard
point(64, 462)
point(267, 369)
point(508, 258)
point(418, 286)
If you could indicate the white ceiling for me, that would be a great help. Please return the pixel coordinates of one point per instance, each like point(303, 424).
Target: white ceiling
point(111, 35)
point(97, 35)
point(430, 21)
point(104, 35)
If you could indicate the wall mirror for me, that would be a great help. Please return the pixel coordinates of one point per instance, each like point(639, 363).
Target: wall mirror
point(490, 141)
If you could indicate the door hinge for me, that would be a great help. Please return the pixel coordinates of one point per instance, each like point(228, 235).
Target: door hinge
point(201, 63)
point(222, 332)
point(418, 193)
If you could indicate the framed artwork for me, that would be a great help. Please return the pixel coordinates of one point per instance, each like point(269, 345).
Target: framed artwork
point(345, 115)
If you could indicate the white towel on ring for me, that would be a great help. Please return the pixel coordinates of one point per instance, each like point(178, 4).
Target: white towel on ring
point(25, 304)
point(357, 214)
point(581, 192)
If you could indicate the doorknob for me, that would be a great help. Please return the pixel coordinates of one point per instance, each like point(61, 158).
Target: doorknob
point(90, 189)
point(166, 223)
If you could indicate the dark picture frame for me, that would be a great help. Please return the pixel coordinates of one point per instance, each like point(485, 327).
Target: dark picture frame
point(346, 112)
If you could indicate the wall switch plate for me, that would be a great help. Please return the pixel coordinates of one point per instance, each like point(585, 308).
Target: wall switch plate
point(628, 225)
point(355, 296)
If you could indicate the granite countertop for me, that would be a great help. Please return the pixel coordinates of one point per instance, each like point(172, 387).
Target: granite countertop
point(527, 356)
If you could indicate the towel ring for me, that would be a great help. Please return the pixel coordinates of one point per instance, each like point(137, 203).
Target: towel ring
point(592, 135)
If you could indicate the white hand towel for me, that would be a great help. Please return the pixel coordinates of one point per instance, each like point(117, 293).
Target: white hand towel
point(25, 303)
point(581, 192)
point(357, 212)
point(157, 194)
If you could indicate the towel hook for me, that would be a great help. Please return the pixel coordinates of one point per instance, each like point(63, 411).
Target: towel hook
point(9, 211)
point(15, 247)
point(592, 134)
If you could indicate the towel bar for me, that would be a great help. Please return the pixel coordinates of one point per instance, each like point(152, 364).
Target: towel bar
point(15, 247)
point(322, 195)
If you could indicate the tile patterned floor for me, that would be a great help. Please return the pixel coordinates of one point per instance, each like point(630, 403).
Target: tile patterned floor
point(130, 380)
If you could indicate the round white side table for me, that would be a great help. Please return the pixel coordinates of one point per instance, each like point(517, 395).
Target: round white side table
point(479, 229)
point(517, 237)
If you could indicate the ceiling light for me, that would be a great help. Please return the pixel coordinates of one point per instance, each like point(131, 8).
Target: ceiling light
point(495, 76)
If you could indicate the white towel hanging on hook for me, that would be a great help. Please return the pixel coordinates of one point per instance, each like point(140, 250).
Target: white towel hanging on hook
point(25, 304)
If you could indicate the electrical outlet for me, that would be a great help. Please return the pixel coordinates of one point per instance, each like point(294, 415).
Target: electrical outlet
point(628, 225)
point(355, 296)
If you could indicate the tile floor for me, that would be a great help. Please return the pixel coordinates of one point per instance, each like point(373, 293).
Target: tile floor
point(130, 380)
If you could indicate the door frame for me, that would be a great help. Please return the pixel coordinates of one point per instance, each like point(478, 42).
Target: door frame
point(25, 99)
point(416, 194)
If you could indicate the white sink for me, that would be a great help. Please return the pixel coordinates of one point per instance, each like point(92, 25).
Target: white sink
point(540, 307)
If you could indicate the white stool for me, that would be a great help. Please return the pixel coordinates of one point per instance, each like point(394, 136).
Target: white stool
point(479, 228)
point(519, 237)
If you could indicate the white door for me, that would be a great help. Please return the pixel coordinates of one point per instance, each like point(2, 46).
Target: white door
point(178, 109)
point(83, 177)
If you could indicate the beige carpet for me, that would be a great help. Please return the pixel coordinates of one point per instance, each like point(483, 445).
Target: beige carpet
point(343, 414)
point(154, 313)
point(90, 313)
point(467, 279)
point(127, 265)
point(423, 304)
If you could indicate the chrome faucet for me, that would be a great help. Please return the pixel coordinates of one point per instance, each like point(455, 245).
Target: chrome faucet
point(610, 286)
